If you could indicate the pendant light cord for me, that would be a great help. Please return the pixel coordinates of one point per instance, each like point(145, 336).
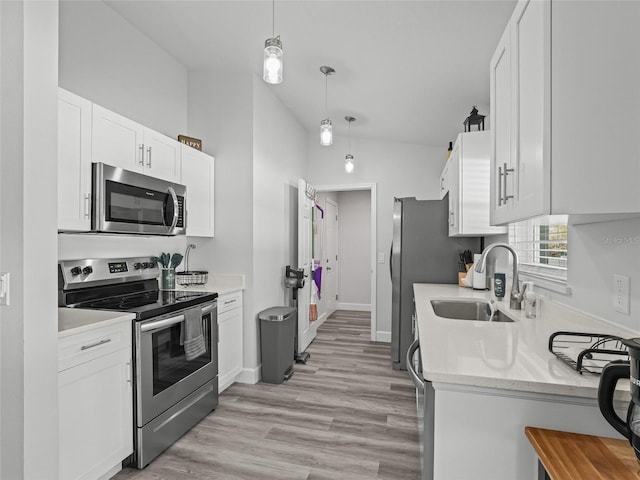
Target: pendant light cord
point(349, 139)
point(273, 19)
point(325, 93)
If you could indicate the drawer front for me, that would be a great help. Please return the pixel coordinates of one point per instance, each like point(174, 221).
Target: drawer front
point(229, 301)
point(89, 345)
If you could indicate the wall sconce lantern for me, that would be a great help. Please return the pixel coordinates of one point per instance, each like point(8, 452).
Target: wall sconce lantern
point(474, 119)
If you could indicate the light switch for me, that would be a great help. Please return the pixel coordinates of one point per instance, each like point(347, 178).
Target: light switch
point(380, 257)
point(4, 288)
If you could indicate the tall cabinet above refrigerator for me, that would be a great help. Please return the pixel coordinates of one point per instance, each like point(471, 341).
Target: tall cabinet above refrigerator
point(421, 252)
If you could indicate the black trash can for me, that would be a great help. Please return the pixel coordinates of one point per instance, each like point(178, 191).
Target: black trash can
point(277, 334)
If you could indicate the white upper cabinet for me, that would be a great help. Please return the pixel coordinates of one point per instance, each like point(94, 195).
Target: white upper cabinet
point(468, 181)
point(564, 109)
point(123, 143)
point(74, 162)
point(198, 177)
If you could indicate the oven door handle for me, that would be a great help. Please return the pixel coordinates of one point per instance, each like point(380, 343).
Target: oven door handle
point(165, 322)
point(208, 308)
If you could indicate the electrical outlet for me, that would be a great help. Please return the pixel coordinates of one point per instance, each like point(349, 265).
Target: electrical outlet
point(621, 294)
point(4, 288)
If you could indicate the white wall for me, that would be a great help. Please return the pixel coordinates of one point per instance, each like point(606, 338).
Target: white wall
point(399, 170)
point(279, 159)
point(596, 252)
point(354, 249)
point(106, 60)
point(28, 326)
point(221, 114)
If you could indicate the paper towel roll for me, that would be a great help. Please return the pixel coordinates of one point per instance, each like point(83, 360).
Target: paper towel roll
point(479, 279)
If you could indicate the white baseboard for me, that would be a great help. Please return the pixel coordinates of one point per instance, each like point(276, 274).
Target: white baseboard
point(249, 375)
point(383, 337)
point(363, 307)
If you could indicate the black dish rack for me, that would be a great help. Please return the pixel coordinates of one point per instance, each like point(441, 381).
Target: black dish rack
point(587, 352)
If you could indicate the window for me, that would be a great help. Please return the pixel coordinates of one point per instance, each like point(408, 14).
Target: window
point(542, 246)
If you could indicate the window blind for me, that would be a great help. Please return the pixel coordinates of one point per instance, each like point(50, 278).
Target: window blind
point(542, 246)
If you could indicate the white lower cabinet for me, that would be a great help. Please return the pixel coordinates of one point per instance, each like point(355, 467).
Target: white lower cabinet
point(230, 338)
point(485, 428)
point(95, 402)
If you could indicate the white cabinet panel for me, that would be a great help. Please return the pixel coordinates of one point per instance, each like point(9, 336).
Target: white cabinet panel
point(198, 177)
point(74, 162)
point(117, 141)
point(230, 342)
point(469, 186)
point(564, 110)
point(123, 143)
point(95, 406)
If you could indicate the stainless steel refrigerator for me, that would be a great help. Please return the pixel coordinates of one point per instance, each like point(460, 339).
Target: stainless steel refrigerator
point(421, 252)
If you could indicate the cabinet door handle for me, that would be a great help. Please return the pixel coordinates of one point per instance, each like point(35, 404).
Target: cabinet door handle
point(500, 186)
point(97, 344)
point(230, 301)
point(141, 148)
point(451, 223)
point(149, 157)
point(87, 204)
point(507, 171)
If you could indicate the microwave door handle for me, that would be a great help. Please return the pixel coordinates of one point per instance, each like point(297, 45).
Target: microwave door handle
point(176, 207)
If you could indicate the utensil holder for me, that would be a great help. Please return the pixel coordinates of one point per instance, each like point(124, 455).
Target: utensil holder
point(168, 279)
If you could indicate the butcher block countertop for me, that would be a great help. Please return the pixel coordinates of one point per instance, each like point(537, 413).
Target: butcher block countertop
point(574, 456)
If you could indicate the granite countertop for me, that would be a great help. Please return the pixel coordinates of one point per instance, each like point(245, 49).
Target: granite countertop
point(78, 320)
point(503, 355)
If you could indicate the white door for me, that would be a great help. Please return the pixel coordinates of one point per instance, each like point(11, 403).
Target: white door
point(306, 204)
point(330, 273)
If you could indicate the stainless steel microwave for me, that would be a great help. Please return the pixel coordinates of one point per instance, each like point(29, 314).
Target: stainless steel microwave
point(129, 202)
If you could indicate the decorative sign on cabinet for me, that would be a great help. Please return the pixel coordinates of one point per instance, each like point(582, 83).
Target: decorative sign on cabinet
point(467, 180)
point(90, 133)
point(565, 109)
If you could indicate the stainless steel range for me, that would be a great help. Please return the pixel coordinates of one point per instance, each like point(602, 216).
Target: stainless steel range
point(175, 351)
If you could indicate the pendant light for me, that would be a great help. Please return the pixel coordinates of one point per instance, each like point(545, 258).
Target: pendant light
point(326, 130)
point(348, 158)
point(272, 63)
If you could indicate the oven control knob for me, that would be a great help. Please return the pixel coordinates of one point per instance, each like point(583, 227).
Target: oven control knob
point(152, 264)
point(76, 271)
point(87, 270)
point(137, 266)
point(145, 265)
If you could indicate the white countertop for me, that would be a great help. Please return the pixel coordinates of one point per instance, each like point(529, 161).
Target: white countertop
point(504, 355)
point(220, 284)
point(77, 320)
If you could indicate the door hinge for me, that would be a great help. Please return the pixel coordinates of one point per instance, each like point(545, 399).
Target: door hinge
point(336, 296)
point(336, 258)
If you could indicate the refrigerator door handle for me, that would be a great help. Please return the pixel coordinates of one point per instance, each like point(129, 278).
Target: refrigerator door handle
point(391, 262)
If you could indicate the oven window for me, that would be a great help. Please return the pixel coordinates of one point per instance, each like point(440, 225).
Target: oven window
point(169, 362)
point(129, 204)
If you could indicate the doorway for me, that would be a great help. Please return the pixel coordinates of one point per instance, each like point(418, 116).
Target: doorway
point(346, 279)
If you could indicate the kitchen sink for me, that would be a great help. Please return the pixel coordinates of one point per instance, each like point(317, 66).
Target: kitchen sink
point(471, 309)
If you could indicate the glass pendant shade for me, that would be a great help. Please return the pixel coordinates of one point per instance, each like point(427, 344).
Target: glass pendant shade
point(348, 163)
point(326, 133)
point(273, 65)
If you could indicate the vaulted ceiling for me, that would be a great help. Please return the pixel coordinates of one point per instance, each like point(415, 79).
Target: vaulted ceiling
point(409, 71)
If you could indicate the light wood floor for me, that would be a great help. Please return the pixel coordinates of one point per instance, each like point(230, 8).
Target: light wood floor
point(344, 415)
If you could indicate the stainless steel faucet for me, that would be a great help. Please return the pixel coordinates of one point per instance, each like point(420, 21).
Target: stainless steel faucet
point(515, 299)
